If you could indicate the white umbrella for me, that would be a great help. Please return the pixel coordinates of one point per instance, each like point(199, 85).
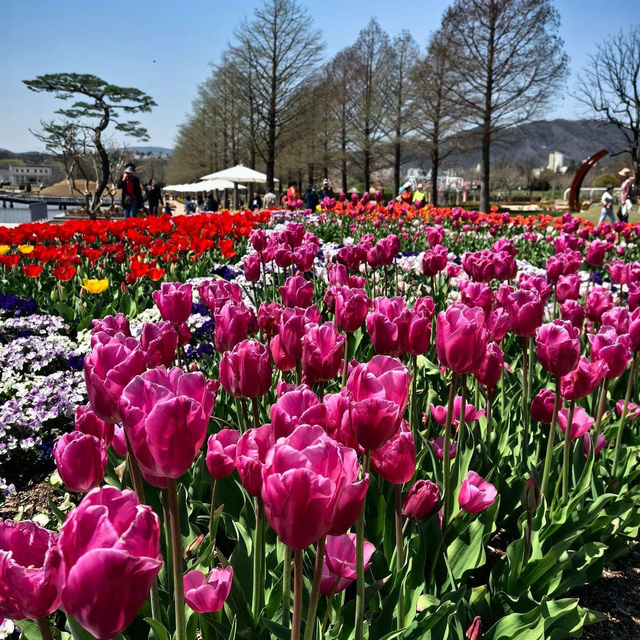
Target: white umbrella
point(239, 173)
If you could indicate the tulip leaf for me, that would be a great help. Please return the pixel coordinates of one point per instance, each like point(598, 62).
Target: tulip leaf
point(77, 631)
point(29, 629)
point(161, 632)
point(276, 629)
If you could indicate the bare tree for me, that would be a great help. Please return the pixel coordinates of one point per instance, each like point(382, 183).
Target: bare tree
point(510, 63)
point(369, 104)
point(282, 50)
point(437, 116)
point(610, 88)
point(404, 55)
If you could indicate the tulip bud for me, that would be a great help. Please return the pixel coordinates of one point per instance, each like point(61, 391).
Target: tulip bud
point(192, 547)
point(531, 495)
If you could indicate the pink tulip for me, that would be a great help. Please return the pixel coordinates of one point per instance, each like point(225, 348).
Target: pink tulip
point(572, 311)
point(110, 547)
point(338, 419)
point(584, 379)
point(595, 253)
point(536, 283)
point(474, 632)
point(216, 293)
point(434, 260)
point(174, 301)
point(339, 564)
point(598, 302)
point(119, 442)
point(558, 347)
point(418, 332)
point(166, 413)
point(87, 421)
point(81, 460)
point(205, 595)
point(159, 342)
point(310, 487)
point(634, 296)
point(246, 371)
point(297, 292)
point(221, 453)
point(580, 424)
point(252, 267)
point(525, 309)
point(251, 453)
point(601, 443)
point(476, 494)
point(258, 240)
point(351, 307)
point(293, 327)
point(634, 331)
point(490, 371)
point(421, 500)
point(109, 367)
point(498, 324)
point(395, 460)
point(387, 325)
point(234, 322)
point(322, 352)
point(476, 294)
point(618, 318)
point(461, 338)
point(379, 390)
point(281, 360)
point(437, 444)
point(439, 413)
point(568, 287)
point(542, 406)
point(294, 408)
point(615, 350)
point(110, 325)
point(29, 571)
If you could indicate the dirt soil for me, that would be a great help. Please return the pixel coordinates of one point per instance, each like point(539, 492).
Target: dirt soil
point(33, 499)
point(617, 595)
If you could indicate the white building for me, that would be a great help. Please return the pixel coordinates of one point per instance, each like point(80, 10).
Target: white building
point(556, 162)
point(20, 174)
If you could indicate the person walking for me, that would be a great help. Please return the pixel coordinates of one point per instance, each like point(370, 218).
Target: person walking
point(628, 195)
point(607, 205)
point(189, 206)
point(211, 203)
point(311, 198)
point(255, 202)
point(131, 199)
point(270, 199)
point(326, 191)
point(154, 197)
point(419, 195)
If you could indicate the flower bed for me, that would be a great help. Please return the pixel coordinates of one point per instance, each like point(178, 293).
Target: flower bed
point(416, 424)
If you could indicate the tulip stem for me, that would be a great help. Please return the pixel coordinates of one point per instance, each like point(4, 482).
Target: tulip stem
point(397, 494)
point(167, 537)
point(255, 408)
point(258, 553)
point(552, 435)
point(45, 629)
point(446, 462)
point(312, 609)
point(346, 361)
point(213, 508)
point(413, 416)
point(566, 462)
point(526, 382)
point(360, 592)
point(134, 471)
point(603, 400)
point(241, 423)
point(286, 588)
point(488, 414)
point(176, 550)
point(462, 423)
point(296, 623)
point(623, 417)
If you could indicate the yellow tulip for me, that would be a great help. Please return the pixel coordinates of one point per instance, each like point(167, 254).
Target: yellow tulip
point(4, 248)
point(25, 248)
point(93, 285)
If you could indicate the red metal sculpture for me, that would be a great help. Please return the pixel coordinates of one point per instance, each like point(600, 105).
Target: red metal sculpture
point(574, 193)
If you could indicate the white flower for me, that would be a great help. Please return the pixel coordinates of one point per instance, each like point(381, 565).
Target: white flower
point(6, 628)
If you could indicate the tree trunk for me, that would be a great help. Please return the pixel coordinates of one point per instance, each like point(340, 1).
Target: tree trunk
point(435, 162)
point(103, 178)
point(485, 204)
point(396, 163)
point(343, 149)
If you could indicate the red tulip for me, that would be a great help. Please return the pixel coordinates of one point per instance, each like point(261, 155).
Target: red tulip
point(110, 547)
point(310, 487)
point(29, 570)
point(81, 460)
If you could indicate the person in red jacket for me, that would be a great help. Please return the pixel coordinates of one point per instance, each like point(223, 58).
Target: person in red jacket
point(132, 199)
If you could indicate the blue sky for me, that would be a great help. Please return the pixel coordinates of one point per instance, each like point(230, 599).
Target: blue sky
point(165, 48)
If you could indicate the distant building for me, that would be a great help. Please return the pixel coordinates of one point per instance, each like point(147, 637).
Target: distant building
point(556, 162)
point(20, 174)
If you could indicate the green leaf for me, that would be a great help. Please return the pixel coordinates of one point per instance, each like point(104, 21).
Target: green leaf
point(159, 629)
point(78, 632)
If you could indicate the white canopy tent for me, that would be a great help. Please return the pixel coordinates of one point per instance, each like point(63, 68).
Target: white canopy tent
point(204, 185)
point(237, 174)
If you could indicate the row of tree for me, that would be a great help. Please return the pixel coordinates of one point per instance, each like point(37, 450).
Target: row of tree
point(271, 103)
